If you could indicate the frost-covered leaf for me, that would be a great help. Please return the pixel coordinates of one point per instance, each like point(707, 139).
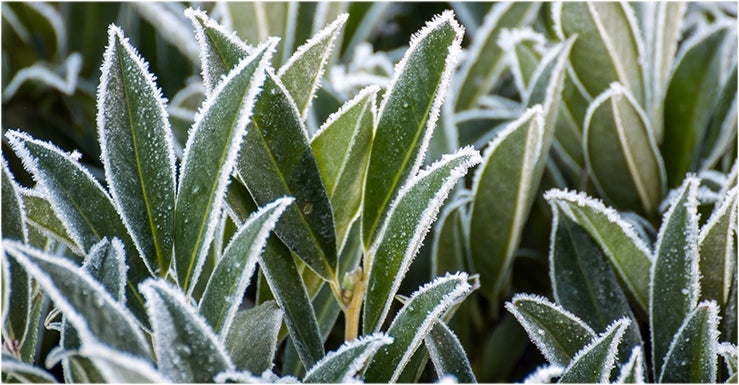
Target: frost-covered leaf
point(252, 338)
point(277, 161)
point(675, 286)
point(447, 354)
point(86, 304)
point(546, 374)
point(137, 150)
point(717, 250)
point(119, 367)
point(557, 333)
point(692, 357)
point(285, 283)
point(209, 157)
point(407, 116)
point(257, 21)
point(232, 274)
point(729, 353)
point(722, 131)
point(246, 377)
point(414, 320)
point(401, 236)
point(523, 49)
point(632, 372)
point(186, 348)
point(302, 73)
point(449, 250)
point(14, 216)
point(583, 281)
point(24, 372)
point(609, 46)
point(341, 365)
point(621, 154)
point(690, 99)
point(342, 147)
point(485, 61)
point(594, 363)
point(629, 255)
point(504, 189)
point(41, 217)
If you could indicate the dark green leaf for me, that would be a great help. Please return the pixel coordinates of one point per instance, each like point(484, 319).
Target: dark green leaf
point(632, 372)
point(594, 363)
point(722, 130)
point(341, 365)
point(118, 367)
point(717, 250)
point(40, 216)
point(252, 338)
point(692, 357)
point(449, 250)
point(447, 354)
point(23, 372)
point(14, 216)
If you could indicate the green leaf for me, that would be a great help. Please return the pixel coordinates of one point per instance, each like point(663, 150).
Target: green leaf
point(414, 321)
point(408, 115)
point(523, 50)
point(209, 156)
point(342, 148)
point(278, 162)
point(594, 363)
point(729, 353)
point(409, 219)
point(14, 216)
point(119, 367)
point(675, 284)
point(40, 216)
point(621, 154)
point(252, 338)
point(485, 62)
point(187, 349)
point(692, 357)
point(504, 189)
point(137, 150)
point(257, 21)
point(341, 365)
point(447, 354)
point(609, 47)
point(449, 250)
point(278, 266)
point(717, 250)
point(23, 372)
point(629, 255)
point(303, 71)
point(557, 333)
point(86, 304)
point(632, 372)
point(722, 131)
point(690, 99)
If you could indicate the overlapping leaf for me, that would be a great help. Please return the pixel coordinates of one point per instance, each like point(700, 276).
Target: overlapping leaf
point(343, 364)
point(41, 217)
point(119, 367)
point(717, 250)
point(447, 354)
point(252, 338)
point(632, 372)
point(692, 356)
point(594, 363)
point(24, 372)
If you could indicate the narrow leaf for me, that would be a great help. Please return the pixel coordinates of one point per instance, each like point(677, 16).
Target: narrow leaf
point(504, 189)
point(119, 367)
point(594, 363)
point(209, 157)
point(557, 333)
point(414, 321)
point(523, 49)
point(86, 304)
point(252, 338)
point(278, 162)
point(14, 216)
point(447, 354)
point(632, 372)
point(721, 133)
point(449, 250)
point(629, 255)
point(187, 349)
point(729, 353)
point(23, 372)
point(341, 365)
point(408, 115)
point(40, 216)
point(717, 250)
point(621, 154)
point(409, 219)
point(692, 357)
point(137, 150)
point(674, 288)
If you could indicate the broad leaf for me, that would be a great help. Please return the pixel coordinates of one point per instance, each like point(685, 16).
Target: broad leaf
point(40, 216)
point(447, 354)
point(277, 162)
point(621, 154)
point(427, 305)
point(717, 250)
point(23, 372)
point(86, 304)
point(187, 349)
point(252, 338)
point(557, 333)
point(504, 189)
point(302, 73)
point(632, 372)
point(629, 255)
point(225, 289)
point(401, 236)
point(119, 367)
point(342, 147)
point(407, 116)
point(209, 157)
point(341, 365)
point(674, 287)
point(137, 150)
point(692, 357)
point(594, 363)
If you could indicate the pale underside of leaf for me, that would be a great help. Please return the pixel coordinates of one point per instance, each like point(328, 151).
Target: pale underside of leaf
point(252, 338)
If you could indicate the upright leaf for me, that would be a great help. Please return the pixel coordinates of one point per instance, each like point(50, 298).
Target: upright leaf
point(252, 338)
point(278, 161)
point(594, 363)
point(209, 157)
point(41, 217)
point(674, 288)
point(504, 189)
point(693, 353)
point(401, 236)
point(257, 21)
point(523, 50)
point(407, 116)
point(632, 372)
point(119, 367)
point(717, 250)
point(187, 349)
point(14, 216)
point(447, 354)
point(449, 250)
point(341, 365)
point(722, 130)
point(621, 154)
point(414, 321)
